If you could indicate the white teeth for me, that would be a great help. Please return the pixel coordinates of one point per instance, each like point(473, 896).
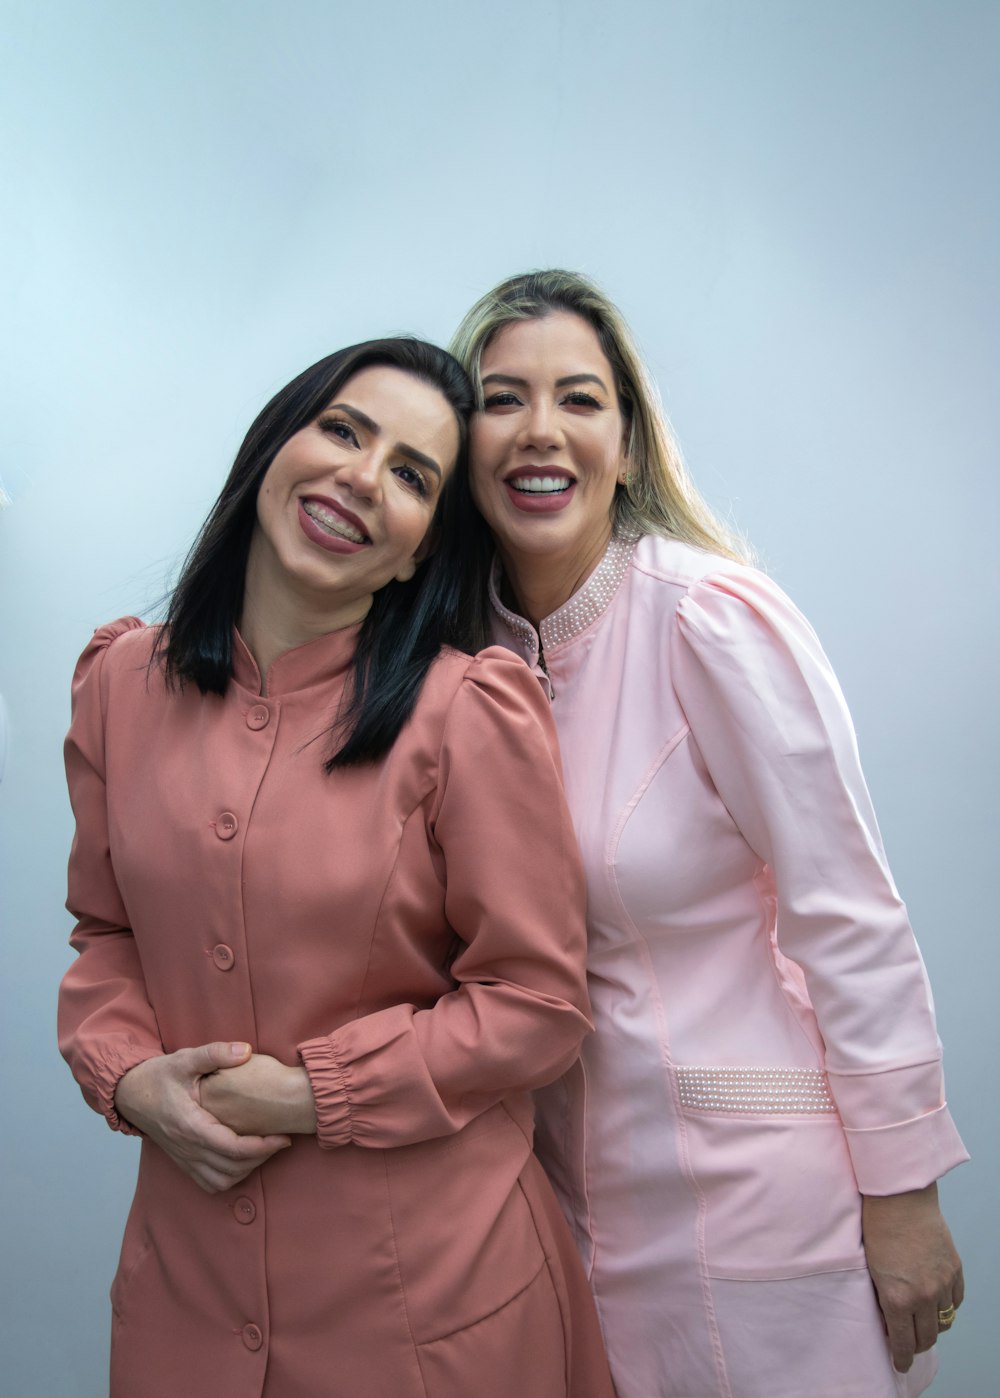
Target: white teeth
point(541, 485)
point(332, 523)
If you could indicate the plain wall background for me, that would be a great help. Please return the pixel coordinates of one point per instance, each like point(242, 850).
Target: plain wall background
point(796, 206)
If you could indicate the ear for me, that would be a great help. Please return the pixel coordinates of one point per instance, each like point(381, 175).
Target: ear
point(427, 546)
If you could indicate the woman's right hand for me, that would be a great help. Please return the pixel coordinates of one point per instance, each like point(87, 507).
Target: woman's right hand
point(159, 1097)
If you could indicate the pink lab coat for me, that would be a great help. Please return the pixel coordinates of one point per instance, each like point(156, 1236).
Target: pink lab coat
point(765, 1043)
point(413, 933)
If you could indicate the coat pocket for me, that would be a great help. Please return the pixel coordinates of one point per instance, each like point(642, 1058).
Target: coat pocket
point(512, 1353)
point(136, 1247)
point(768, 1153)
point(465, 1238)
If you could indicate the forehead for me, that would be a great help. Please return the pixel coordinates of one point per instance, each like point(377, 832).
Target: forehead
point(560, 343)
point(403, 407)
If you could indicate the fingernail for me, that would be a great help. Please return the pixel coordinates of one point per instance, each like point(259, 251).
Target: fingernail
point(240, 1050)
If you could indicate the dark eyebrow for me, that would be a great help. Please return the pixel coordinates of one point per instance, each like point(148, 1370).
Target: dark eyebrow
point(560, 383)
point(419, 458)
point(581, 378)
point(402, 447)
point(362, 419)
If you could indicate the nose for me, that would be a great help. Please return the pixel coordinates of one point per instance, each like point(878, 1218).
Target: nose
point(362, 475)
point(540, 427)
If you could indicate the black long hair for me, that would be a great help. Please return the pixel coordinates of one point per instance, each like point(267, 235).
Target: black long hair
point(407, 623)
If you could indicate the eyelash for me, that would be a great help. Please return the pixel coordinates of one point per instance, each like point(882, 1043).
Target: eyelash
point(506, 399)
point(417, 483)
point(331, 424)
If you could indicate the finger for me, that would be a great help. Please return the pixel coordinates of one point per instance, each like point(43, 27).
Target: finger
point(239, 1169)
point(216, 1137)
point(207, 1058)
point(212, 1181)
point(926, 1328)
point(948, 1305)
point(216, 1178)
point(215, 1171)
point(208, 1173)
point(194, 1134)
point(902, 1340)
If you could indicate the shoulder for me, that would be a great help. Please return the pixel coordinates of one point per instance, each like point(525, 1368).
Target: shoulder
point(675, 564)
point(121, 646)
point(495, 731)
point(128, 635)
point(471, 703)
point(711, 594)
point(495, 673)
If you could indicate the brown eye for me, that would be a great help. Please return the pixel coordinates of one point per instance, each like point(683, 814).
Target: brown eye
point(412, 477)
point(341, 429)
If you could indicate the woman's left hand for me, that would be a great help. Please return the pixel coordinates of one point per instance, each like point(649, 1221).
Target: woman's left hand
point(258, 1091)
point(914, 1265)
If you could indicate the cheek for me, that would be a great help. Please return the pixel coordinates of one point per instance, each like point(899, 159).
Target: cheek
point(481, 457)
point(485, 435)
point(267, 509)
point(407, 524)
point(613, 454)
point(479, 490)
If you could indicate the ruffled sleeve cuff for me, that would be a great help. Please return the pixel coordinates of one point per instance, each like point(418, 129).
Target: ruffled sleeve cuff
point(330, 1087)
point(109, 1074)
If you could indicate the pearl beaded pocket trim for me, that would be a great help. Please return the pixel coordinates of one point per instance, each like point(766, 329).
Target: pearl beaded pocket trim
point(800, 1091)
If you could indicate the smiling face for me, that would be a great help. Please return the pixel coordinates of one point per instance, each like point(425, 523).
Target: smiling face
point(347, 502)
point(547, 451)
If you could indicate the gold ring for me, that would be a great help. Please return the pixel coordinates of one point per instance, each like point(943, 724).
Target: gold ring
point(946, 1318)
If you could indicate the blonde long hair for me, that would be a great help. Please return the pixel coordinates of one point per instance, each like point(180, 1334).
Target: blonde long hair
point(659, 496)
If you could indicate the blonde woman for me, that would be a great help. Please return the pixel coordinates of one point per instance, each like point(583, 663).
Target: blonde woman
point(753, 1135)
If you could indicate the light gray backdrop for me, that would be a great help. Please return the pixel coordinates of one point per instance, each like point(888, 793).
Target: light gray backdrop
point(795, 202)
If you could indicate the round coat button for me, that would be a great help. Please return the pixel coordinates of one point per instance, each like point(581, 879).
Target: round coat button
point(253, 1337)
point(245, 1210)
point(223, 957)
point(226, 826)
point(258, 718)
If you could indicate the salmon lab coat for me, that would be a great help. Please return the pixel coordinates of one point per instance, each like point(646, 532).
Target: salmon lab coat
point(413, 933)
point(765, 1042)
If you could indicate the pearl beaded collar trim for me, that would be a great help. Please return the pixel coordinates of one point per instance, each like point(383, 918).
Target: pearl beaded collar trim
point(580, 610)
point(772, 1090)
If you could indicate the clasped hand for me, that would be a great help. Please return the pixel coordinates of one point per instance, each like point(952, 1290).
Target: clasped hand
point(217, 1110)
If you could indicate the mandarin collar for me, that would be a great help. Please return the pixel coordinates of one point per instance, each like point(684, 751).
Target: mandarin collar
point(321, 661)
point(578, 612)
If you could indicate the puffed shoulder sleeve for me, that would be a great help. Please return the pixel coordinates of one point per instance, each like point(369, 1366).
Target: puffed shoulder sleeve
point(106, 1024)
point(515, 898)
point(769, 718)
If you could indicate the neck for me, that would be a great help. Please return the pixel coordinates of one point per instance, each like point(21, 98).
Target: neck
point(539, 584)
point(275, 619)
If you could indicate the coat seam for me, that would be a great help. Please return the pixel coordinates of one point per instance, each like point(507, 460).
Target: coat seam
point(399, 1275)
point(701, 1203)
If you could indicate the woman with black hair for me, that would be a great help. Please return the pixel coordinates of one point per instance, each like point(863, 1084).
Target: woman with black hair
point(330, 925)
